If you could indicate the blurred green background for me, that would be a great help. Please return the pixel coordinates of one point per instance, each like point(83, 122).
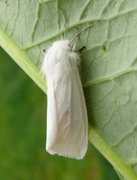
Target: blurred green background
point(22, 135)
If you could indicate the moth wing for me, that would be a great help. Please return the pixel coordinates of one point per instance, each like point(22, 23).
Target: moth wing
point(67, 124)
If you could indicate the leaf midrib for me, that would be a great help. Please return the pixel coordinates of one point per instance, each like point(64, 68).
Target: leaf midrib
point(21, 58)
point(110, 153)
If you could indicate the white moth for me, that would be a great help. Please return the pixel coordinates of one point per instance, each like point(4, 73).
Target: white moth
point(67, 124)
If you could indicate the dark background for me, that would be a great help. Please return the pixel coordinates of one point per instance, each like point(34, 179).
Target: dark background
point(22, 135)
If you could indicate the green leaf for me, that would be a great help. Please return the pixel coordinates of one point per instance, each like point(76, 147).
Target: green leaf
point(109, 66)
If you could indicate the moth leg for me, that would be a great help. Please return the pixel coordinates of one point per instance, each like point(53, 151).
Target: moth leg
point(81, 49)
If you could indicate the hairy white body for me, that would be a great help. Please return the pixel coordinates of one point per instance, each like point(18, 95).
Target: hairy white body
point(67, 124)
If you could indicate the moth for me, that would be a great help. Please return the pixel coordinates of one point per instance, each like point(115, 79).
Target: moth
point(67, 122)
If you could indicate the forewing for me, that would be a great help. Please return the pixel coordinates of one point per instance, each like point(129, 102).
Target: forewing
point(67, 116)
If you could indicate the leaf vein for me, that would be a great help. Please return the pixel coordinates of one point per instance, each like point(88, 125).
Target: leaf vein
point(109, 78)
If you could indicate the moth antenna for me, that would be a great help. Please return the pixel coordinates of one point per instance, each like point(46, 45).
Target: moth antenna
point(79, 33)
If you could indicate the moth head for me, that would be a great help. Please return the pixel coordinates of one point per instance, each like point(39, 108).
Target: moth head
point(62, 44)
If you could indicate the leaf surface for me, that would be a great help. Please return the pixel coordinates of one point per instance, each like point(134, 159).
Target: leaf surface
point(109, 64)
